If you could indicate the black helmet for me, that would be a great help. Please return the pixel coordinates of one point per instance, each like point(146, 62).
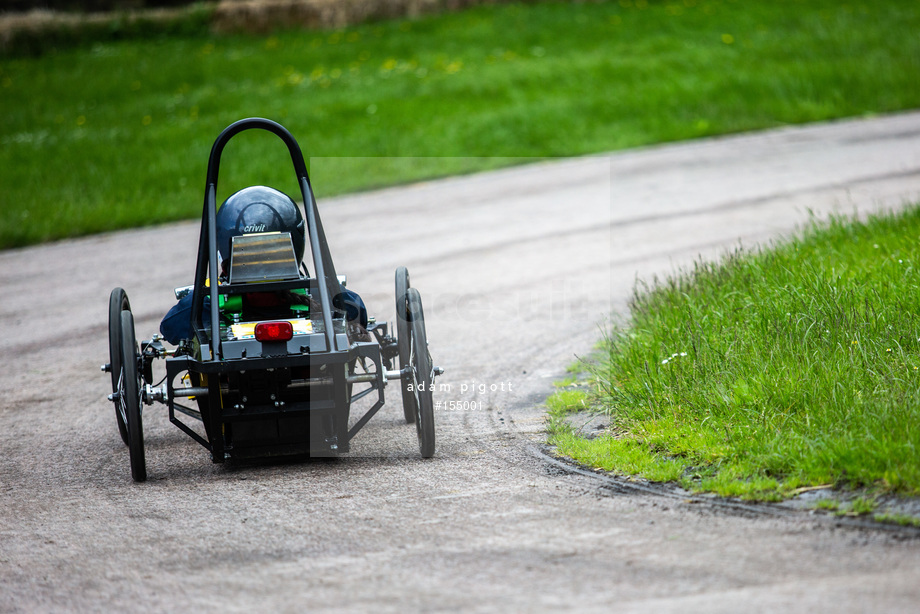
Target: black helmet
point(259, 209)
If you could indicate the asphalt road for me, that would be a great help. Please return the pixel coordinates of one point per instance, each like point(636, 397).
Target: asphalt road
point(520, 271)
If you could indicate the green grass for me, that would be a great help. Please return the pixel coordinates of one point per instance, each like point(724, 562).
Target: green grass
point(903, 520)
point(828, 505)
point(773, 370)
point(863, 506)
point(116, 134)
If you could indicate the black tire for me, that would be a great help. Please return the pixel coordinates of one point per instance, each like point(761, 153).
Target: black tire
point(403, 333)
point(130, 396)
point(422, 375)
point(118, 302)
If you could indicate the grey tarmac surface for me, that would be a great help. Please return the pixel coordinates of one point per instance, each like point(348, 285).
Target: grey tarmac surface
point(520, 270)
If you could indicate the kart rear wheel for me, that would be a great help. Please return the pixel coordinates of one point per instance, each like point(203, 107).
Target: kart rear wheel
point(129, 397)
point(402, 340)
point(118, 302)
point(422, 375)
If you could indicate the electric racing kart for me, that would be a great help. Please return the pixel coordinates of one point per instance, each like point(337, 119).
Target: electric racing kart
point(282, 386)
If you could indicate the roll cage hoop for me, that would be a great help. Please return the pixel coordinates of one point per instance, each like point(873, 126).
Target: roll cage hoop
point(207, 265)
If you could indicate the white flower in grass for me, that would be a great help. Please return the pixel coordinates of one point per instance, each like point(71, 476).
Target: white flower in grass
point(676, 355)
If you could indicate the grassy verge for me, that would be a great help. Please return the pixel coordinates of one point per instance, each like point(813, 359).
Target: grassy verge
point(116, 134)
point(771, 371)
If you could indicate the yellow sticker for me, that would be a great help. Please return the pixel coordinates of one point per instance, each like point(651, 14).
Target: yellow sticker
point(302, 326)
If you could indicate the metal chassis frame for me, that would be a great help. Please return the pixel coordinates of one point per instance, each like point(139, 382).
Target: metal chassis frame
point(211, 362)
point(175, 366)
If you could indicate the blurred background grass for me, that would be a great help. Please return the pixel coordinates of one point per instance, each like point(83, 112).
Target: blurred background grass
point(103, 135)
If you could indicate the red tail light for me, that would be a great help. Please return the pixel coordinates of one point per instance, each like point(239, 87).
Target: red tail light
point(274, 331)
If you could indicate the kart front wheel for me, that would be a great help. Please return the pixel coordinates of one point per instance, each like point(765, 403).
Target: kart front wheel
point(422, 375)
point(402, 340)
point(118, 302)
point(129, 397)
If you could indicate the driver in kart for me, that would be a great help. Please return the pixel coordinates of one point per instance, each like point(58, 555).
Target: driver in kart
point(260, 209)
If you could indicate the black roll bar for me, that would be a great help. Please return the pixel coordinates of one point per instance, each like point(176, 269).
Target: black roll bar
point(207, 267)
